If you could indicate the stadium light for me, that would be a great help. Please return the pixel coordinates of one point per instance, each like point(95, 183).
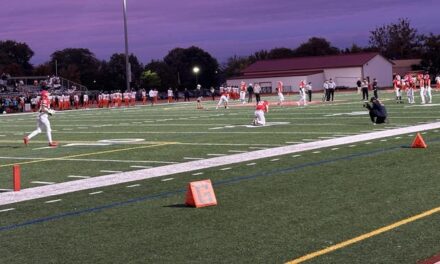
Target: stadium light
point(127, 64)
point(196, 71)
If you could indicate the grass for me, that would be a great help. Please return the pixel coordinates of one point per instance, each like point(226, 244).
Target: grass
point(271, 212)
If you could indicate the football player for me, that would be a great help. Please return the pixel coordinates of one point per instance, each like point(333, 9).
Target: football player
point(260, 110)
point(43, 120)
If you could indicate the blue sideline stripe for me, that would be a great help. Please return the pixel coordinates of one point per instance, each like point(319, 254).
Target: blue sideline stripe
point(219, 183)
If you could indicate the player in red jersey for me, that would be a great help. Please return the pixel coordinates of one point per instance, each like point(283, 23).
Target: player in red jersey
point(260, 110)
point(224, 98)
point(43, 121)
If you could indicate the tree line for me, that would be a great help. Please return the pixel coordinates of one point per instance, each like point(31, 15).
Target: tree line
point(394, 41)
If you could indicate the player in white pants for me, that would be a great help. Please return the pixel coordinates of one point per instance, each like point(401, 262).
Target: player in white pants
point(421, 79)
point(428, 89)
point(43, 121)
point(280, 92)
point(302, 93)
point(243, 92)
point(223, 99)
point(262, 107)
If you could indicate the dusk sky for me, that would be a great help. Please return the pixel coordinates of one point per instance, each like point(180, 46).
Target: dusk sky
point(223, 28)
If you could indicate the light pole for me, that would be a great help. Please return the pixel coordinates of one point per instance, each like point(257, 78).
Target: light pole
point(196, 72)
point(127, 64)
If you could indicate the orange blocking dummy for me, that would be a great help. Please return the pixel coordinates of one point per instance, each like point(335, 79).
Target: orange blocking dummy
point(200, 194)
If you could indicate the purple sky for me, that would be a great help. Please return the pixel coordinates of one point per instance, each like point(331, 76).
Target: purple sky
point(223, 28)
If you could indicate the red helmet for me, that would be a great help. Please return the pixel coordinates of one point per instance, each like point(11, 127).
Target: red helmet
point(44, 93)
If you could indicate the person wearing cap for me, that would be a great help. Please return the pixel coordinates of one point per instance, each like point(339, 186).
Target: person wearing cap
point(43, 120)
point(377, 111)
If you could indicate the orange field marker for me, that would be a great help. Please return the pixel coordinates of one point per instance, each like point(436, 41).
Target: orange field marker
point(16, 177)
point(418, 142)
point(200, 194)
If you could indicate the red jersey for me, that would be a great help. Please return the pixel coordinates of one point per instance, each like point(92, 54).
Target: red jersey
point(243, 87)
point(263, 106)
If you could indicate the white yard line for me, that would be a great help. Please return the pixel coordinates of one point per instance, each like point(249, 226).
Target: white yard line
point(197, 173)
point(78, 177)
point(132, 186)
point(95, 160)
point(274, 159)
point(53, 201)
point(168, 179)
point(93, 193)
point(218, 155)
point(41, 148)
point(42, 182)
point(197, 165)
point(295, 156)
point(110, 171)
point(7, 210)
point(237, 151)
point(316, 152)
point(140, 167)
point(190, 158)
point(251, 164)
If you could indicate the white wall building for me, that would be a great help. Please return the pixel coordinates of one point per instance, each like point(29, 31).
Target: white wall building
point(344, 69)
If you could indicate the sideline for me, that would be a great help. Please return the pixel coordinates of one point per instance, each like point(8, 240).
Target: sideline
point(118, 178)
point(364, 236)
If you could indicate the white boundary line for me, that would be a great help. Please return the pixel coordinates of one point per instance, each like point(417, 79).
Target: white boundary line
point(196, 165)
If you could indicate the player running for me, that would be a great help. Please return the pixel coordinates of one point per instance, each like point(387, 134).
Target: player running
point(280, 93)
point(43, 120)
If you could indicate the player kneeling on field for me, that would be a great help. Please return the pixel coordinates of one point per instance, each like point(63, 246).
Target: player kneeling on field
point(377, 111)
point(262, 107)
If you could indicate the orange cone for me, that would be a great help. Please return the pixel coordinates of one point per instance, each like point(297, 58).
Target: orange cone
point(418, 142)
point(200, 194)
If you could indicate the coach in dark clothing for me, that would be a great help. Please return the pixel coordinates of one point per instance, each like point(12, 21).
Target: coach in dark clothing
point(186, 95)
point(375, 88)
point(377, 111)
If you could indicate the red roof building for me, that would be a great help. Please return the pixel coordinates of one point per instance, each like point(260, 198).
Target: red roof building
point(344, 69)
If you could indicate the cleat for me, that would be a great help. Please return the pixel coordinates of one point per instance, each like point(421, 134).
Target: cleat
point(53, 144)
point(26, 140)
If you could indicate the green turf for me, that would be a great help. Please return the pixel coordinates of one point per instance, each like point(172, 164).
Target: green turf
point(271, 212)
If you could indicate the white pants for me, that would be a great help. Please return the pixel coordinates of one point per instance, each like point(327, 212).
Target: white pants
point(280, 97)
point(302, 97)
point(429, 94)
point(42, 124)
point(223, 100)
point(259, 118)
point(242, 96)
point(410, 95)
point(422, 94)
point(397, 92)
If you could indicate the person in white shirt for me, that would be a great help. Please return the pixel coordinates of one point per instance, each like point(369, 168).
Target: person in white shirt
point(280, 92)
point(170, 95)
point(331, 89)
point(326, 93)
point(302, 93)
point(43, 121)
point(437, 81)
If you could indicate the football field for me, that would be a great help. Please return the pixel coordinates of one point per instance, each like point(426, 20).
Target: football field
point(318, 184)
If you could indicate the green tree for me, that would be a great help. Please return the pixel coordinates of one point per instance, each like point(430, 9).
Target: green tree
point(166, 75)
point(431, 54)
point(15, 57)
point(150, 79)
point(78, 65)
point(316, 47)
point(182, 61)
point(235, 65)
point(396, 40)
point(117, 72)
point(281, 53)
